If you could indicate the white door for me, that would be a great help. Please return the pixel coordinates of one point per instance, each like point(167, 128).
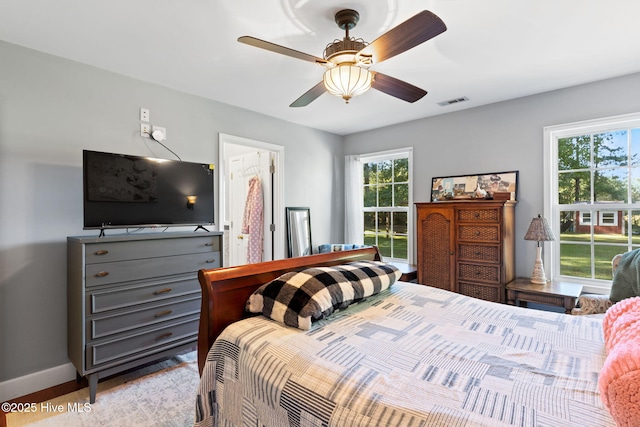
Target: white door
point(240, 170)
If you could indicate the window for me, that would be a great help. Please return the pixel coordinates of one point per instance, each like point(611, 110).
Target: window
point(585, 217)
point(608, 219)
point(605, 219)
point(387, 196)
point(592, 191)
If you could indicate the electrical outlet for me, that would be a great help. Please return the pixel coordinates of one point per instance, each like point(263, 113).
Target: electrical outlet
point(145, 129)
point(144, 114)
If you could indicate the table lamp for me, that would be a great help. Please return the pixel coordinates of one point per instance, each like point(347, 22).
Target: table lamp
point(540, 231)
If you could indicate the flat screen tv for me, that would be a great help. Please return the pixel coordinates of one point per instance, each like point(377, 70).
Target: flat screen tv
point(122, 191)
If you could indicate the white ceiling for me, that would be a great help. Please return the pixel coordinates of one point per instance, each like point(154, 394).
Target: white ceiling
point(493, 50)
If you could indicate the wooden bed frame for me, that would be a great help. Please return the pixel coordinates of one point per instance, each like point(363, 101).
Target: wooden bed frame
point(226, 290)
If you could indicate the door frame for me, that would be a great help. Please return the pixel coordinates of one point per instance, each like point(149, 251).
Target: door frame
point(238, 188)
point(225, 142)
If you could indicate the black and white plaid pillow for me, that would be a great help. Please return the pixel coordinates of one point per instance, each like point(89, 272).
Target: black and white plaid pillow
point(299, 297)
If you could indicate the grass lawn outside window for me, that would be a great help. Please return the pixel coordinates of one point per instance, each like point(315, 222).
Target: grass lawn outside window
point(575, 254)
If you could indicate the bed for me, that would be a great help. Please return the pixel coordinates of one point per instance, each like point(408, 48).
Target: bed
point(409, 355)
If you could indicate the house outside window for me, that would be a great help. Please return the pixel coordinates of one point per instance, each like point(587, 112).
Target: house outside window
point(387, 198)
point(592, 191)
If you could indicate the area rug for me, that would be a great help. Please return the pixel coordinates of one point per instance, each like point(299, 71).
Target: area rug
point(162, 394)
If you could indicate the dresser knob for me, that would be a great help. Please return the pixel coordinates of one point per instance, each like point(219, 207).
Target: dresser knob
point(101, 252)
point(208, 244)
point(102, 274)
point(210, 261)
point(162, 291)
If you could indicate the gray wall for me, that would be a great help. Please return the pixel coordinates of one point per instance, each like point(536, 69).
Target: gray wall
point(500, 137)
point(50, 110)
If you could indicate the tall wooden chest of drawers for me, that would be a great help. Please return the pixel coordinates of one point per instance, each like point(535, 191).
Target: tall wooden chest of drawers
point(132, 299)
point(467, 246)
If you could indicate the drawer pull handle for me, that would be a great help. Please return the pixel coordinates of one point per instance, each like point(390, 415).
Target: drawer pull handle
point(478, 253)
point(210, 261)
point(164, 313)
point(164, 336)
point(477, 233)
point(102, 274)
point(102, 252)
point(162, 291)
point(208, 244)
point(478, 273)
point(477, 215)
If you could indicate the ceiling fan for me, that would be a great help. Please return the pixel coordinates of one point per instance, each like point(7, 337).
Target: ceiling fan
point(348, 60)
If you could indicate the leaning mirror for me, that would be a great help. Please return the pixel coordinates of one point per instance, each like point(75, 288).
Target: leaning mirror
point(299, 231)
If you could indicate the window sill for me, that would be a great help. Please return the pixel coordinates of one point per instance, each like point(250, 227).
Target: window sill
point(588, 286)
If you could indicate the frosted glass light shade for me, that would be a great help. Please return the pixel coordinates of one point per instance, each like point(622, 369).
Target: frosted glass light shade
point(347, 81)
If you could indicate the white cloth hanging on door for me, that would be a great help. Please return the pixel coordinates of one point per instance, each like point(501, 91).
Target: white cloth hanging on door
point(252, 222)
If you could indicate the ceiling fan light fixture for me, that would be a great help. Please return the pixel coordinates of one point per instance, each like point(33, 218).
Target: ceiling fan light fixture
point(348, 60)
point(347, 81)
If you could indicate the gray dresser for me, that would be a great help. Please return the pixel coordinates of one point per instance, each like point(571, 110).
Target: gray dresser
point(133, 299)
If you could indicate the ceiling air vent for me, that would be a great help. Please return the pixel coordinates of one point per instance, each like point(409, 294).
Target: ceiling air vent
point(453, 101)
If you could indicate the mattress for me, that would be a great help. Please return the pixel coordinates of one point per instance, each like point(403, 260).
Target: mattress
point(412, 355)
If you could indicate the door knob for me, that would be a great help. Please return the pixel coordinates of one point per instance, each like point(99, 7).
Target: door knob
point(240, 236)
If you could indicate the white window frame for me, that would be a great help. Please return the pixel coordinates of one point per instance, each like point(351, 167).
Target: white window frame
point(583, 220)
point(399, 153)
point(603, 223)
point(551, 205)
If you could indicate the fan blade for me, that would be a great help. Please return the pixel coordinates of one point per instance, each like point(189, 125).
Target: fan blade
point(418, 29)
point(309, 96)
point(252, 41)
point(397, 88)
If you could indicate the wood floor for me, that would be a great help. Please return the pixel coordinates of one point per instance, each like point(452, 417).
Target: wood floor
point(46, 394)
point(61, 390)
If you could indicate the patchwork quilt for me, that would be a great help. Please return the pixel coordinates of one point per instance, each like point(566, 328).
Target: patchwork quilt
point(410, 356)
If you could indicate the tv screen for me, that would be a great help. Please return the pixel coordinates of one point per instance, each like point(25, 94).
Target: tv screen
point(123, 191)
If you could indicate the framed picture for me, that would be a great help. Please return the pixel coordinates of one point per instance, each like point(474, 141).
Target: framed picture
point(478, 186)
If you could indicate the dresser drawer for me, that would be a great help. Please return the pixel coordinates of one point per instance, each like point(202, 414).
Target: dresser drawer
point(484, 292)
point(120, 251)
point(99, 327)
point(479, 215)
point(129, 296)
point(145, 342)
point(479, 272)
point(120, 271)
point(487, 253)
point(480, 233)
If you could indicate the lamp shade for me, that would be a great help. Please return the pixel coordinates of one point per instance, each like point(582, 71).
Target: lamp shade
point(539, 230)
point(347, 81)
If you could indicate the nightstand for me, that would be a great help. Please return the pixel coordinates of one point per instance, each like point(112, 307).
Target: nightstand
point(554, 293)
point(409, 271)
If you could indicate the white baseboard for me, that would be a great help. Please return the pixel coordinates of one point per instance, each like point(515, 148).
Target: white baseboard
point(37, 381)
